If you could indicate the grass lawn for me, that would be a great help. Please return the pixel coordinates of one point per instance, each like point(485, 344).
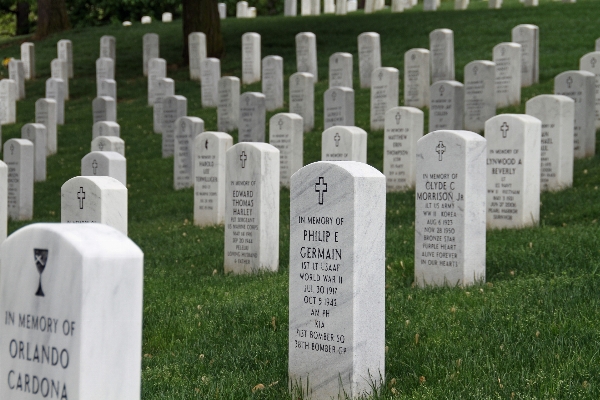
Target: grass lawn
point(532, 331)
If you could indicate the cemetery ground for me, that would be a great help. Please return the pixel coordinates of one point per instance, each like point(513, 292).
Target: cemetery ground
point(531, 331)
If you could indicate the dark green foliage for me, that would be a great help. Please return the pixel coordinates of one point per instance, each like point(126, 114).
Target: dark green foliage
point(92, 13)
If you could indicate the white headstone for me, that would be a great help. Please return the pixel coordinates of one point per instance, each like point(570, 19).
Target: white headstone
point(211, 73)
point(315, 7)
point(228, 108)
point(45, 114)
point(250, 58)
point(495, 4)
point(186, 130)
point(3, 201)
point(36, 134)
point(580, 86)
point(398, 6)
point(344, 143)
point(241, 10)
point(507, 57)
point(157, 68)
point(338, 107)
point(28, 58)
point(531, 3)
point(60, 70)
point(446, 108)
point(450, 209)
point(55, 90)
point(305, 7)
point(8, 101)
point(108, 88)
point(164, 87)
point(480, 94)
point(174, 107)
point(104, 109)
point(290, 8)
point(302, 98)
point(146, 19)
point(597, 45)
point(127, 23)
point(430, 5)
point(352, 5)
point(528, 36)
point(251, 12)
point(340, 70)
point(105, 163)
point(80, 288)
point(369, 57)
point(105, 69)
point(209, 177)
point(404, 126)
point(557, 114)
point(384, 94)
point(441, 47)
point(65, 53)
point(222, 11)
point(337, 280)
point(109, 143)
point(461, 4)
point(252, 117)
point(94, 199)
point(19, 157)
point(369, 6)
point(16, 72)
point(306, 54)
point(251, 208)
point(287, 135)
point(416, 78)
point(108, 47)
point(329, 7)
point(167, 17)
point(341, 7)
point(106, 128)
point(151, 48)
point(197, 53)
point(272, 82)
point(591, 63)
point(513, 170)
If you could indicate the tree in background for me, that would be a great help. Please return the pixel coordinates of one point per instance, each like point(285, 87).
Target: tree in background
point(203, 16)
point(52, 17)
point(21, 10)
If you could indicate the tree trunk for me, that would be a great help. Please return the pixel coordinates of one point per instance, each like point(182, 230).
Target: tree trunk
point(22, 18)
point(203, 16)
point(52, 17)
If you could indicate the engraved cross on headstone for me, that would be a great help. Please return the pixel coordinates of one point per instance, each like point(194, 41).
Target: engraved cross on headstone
point(206, 144)
point(94, 166)
point(569, 82)
point(81, 197)
point(280, 123)
point(321, 187)
point(593, 61)
point(442, 90)
point(333, 96)
point(243, 159)
point(12, 149)
point(398, 117)
point(336, 138)
point(475, 69)
point(440, 149)
point(504, 129)
point(101, 145)
point(380, 75)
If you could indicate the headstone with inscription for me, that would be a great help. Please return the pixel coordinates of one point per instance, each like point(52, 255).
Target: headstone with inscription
point(55, 90)
point(211, 73)
point(94, 199)
point(580, 86)
point(528, 36)
point(290, 8)
point(3, 201)
point(272, 82)
point(16, 72)
point(151, 48)
point(250, 58)
point(441, 48)
point(36, 134)
point(302, 98)
point(340, 70)
point(106, 128)
point(228, 107)
point(450, 209)
point(252, 117)
point(337, 279)
point(513, 170)
point(251, 208)
point(45, 114)
point(164, 87)
point(591, 63)
point(197, 52)
point(186, 130)
point(446, 108)
point(28, 58)
point(157, 69)
point(287, 135)
point(507, 57)
point(105, 163)
point(306, 54)
point(369, 56)
point(480, 94)
point(72, 295)
point(60, 70)
point(338, 107)
point(557, 114)
point(416, 78)
point(174, 107)
point(315, 7)
point(108, 47)
point(105, 69)
point(344, 143)
point(108, 88)
point(404, 126)
point(19, 157)
point(65, 53)
point(104, 109)
point(109, 143)
point(384, 94)
point(8, 101)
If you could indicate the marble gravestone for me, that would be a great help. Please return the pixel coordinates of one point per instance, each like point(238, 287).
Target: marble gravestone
point(104, 109)
point(174, 107)
point(167, 17)
point(16, 72)
point(352, 5)
point(105, 163)
point(60, 70)
point(108, 47)
point(211, 73)
point(250, 58)
point(197, 53)
point(157, 69)
point(105, 69)
point(8, 101)
point(164, 87)
point(94, 199)
point(590, 63)
point(597, 45)
point(494, 4)
point(106, 128)
point(55, 90)
point(580, 86)
point(450, 236)
point(341, 7)
point(480, 94)
point(28, 58)
point(108, 88)
point(287, 135)
point(252, 117)
point(507, 57)
point(315, 7)
point(337, 279)
point(447, 101)
point(513, 170)
point(228, 107)
point(305, 7)
point(461, 4)
point(80, 288)
point(241, 10)
point(441, 50)
point(384, 94)
point(340, 70)
point(397, 6)
point(210, 149)
point(430, 5)
point(528, 36)
point(151, 49)
point(557, 114)
point(222, 10)
point(3, 201)
point(339, 107)
point(19, 157)
point(36, 134)
point(45, 114)
point(416, 78)
point(146, 20)
point(329, 7)
point(186, 130)
point(306, 54)
point(272, 82)
point(109, 143)
point(251, 208)
point(290, 8)
point(344, 143)
point(369, 57)
point(302, 98)
point(404, 126)
point(65, 53)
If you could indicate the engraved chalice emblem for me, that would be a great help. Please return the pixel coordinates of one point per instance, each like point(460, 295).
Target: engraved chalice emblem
point(41, 257)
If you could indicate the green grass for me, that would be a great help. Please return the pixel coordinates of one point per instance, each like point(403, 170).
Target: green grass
point(531, 332)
